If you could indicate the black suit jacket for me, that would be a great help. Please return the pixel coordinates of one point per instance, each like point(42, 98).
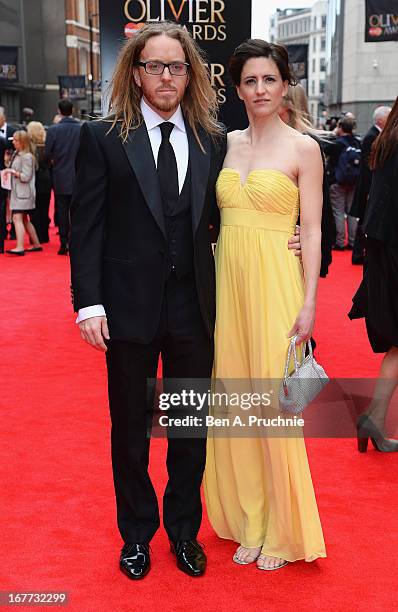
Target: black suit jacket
point(5, 144)
point(381, 215)
point(328, 226)
point(365, 176)
point(118, 236)
point(62, 142)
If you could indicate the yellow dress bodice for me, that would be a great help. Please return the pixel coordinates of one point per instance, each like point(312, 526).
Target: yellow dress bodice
point(269, 193)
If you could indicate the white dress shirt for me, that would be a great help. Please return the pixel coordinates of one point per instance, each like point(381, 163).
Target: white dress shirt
point(3, 131)
point(179, 142)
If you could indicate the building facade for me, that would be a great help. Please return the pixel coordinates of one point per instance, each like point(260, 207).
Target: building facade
point(306, 26)
point(360, 76)
point(83, 49)
point(50, 38)
point(36, 30)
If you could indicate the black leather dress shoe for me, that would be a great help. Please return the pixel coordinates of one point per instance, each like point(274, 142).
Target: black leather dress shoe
point(63, 250)
point(135, 561)
point(190, 557)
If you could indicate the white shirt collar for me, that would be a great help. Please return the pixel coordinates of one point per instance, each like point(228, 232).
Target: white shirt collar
point(152, 119)
point(379, 128)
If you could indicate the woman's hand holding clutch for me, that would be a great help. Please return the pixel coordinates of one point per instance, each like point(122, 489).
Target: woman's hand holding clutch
point(304, 324)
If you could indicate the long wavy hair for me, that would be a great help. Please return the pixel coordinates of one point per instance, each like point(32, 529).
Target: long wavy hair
point(36, 132)
point(386, 143)
point(199, 103)
point(296, 103)
point(24, 139)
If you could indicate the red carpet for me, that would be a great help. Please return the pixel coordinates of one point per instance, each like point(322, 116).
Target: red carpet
point(58, 520)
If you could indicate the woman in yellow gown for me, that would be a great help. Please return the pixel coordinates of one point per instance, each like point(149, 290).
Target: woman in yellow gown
point(258, 490)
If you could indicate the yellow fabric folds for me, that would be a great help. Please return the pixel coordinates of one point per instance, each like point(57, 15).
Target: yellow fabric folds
point(259, 490)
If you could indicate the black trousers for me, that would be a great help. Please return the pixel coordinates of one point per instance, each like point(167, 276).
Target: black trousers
point(3, 225)
point(358, 249)
point(187, 352)
point(62, 203)
point(39, 216)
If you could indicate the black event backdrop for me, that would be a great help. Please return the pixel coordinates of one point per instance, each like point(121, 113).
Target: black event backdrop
point(218, 26)
point(381, 20)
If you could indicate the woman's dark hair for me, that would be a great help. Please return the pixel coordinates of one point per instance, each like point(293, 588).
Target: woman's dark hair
point(255, 47)
point(386, 144)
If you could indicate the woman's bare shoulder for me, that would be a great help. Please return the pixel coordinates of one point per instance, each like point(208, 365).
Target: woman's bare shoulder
point(307, 143)
point(306, 147)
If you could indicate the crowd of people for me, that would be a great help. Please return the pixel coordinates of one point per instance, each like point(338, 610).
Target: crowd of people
point(33, 162)
point(148, 182)
point(48, 156)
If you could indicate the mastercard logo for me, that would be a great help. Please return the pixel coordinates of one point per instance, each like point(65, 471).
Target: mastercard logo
point(132, 28)
point(375, 31)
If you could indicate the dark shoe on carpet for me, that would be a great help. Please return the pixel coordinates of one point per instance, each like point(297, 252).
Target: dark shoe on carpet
point(357, 261)
point(337, 247)
point(11, 252)
point(34, 249)
point(367, 429)
point(349, 247)
point(135, 561)
point(63, 250)
point(190, 557)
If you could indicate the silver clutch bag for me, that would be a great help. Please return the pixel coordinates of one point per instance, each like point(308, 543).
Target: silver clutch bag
point(303, 385)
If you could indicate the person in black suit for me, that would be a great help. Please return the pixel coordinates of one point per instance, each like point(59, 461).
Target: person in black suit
point(377, 297)
point(141, 253)
point(143, 278)
point(362, 190)
point(6, 133)
point(62, 142)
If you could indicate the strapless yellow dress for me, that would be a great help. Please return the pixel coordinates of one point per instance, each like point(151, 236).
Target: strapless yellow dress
point(259, 490)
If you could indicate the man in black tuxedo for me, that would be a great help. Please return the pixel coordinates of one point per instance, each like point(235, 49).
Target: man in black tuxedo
point(62, 142)
point(141, 258)
point(6, 132)
point(143, 278)
point(362, 190)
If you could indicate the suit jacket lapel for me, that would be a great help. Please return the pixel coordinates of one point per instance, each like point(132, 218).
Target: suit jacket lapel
point(139, 153)
point(200, 167)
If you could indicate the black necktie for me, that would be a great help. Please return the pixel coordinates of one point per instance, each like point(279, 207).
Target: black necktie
point(167, 170)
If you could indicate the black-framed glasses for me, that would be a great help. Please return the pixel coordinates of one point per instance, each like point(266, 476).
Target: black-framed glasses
point(157, 68)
